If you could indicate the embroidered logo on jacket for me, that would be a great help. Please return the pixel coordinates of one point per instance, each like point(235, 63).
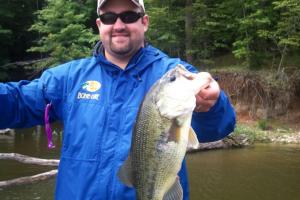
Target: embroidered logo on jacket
point(91, 87)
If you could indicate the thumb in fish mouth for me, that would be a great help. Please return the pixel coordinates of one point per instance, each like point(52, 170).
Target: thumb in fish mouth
point(201, 80)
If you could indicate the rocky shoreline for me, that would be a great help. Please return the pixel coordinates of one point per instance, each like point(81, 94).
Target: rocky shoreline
point(291, 138)
point(265, 137)
point(243, 140)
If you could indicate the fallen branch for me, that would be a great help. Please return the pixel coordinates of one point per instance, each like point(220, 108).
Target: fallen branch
point(28, 179)
point(4, 131)
point(28, 160)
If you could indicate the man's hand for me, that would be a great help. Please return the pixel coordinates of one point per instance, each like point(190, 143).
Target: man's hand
point(207, 97)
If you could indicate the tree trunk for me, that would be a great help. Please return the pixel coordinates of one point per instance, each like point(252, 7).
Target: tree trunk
point(283, 53)
point(188, 30)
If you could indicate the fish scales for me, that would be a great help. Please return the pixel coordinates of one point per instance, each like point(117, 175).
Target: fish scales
point(160, 137)
point(153, 141)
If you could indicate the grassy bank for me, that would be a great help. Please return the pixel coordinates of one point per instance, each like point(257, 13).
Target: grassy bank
point(267, 132)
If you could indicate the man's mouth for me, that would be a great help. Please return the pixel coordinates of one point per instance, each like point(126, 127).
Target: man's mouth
point(120, 35)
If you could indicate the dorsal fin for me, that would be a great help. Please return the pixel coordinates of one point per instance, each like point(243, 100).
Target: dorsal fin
point(174, 132)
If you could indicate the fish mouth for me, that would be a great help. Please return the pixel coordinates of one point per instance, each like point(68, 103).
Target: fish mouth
point(185, 73)
point(200, 80)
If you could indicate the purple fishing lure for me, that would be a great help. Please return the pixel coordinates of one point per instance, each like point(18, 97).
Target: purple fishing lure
point(48, 127)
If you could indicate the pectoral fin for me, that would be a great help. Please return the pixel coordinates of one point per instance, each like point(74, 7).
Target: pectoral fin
point(125, 173)
point(175, 192)
point(174, 132)
point(193, 142)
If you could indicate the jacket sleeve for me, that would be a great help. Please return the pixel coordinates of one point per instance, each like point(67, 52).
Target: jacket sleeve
point(217, 123)
point(22, 104)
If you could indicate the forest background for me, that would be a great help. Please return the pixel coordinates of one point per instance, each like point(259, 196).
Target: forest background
point(253, 46)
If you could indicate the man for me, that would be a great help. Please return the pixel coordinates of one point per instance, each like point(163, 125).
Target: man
point(97, 99)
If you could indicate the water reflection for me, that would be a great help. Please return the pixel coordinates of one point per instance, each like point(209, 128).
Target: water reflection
point(32, 142)
point(43, 190)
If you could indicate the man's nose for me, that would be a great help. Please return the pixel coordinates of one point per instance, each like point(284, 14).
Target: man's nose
point(119, 24)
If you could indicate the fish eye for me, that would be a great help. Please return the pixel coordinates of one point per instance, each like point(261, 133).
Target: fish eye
point(172, 78)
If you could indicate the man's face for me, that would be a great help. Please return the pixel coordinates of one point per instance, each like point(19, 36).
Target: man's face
point(121, 39)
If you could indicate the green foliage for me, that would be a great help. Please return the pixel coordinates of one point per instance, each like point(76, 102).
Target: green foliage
point(250, 132)
point(279, 133)
point(5, 36)
point(6, 32)
point(255, 32)
point(263, 124)
point(166, 26)
point(288, 27)
point(252, 19)
point(213, 28)
point(203, 32)
point(64, 35)
point(16, 18)
point(286, 36)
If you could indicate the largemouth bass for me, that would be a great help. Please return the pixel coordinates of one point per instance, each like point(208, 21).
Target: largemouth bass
point(161, 136)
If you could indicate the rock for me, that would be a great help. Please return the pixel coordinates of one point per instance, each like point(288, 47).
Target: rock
point(287, 138)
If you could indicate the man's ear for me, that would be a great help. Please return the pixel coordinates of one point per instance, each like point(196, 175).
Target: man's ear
point(145, 22)
point(98, 22)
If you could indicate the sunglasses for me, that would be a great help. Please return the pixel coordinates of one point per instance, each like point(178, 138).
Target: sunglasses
point(127, 17)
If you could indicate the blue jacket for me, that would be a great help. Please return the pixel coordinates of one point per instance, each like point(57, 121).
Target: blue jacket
point(98, 103)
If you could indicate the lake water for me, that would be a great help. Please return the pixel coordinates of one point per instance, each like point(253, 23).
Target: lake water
point(262, 172)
